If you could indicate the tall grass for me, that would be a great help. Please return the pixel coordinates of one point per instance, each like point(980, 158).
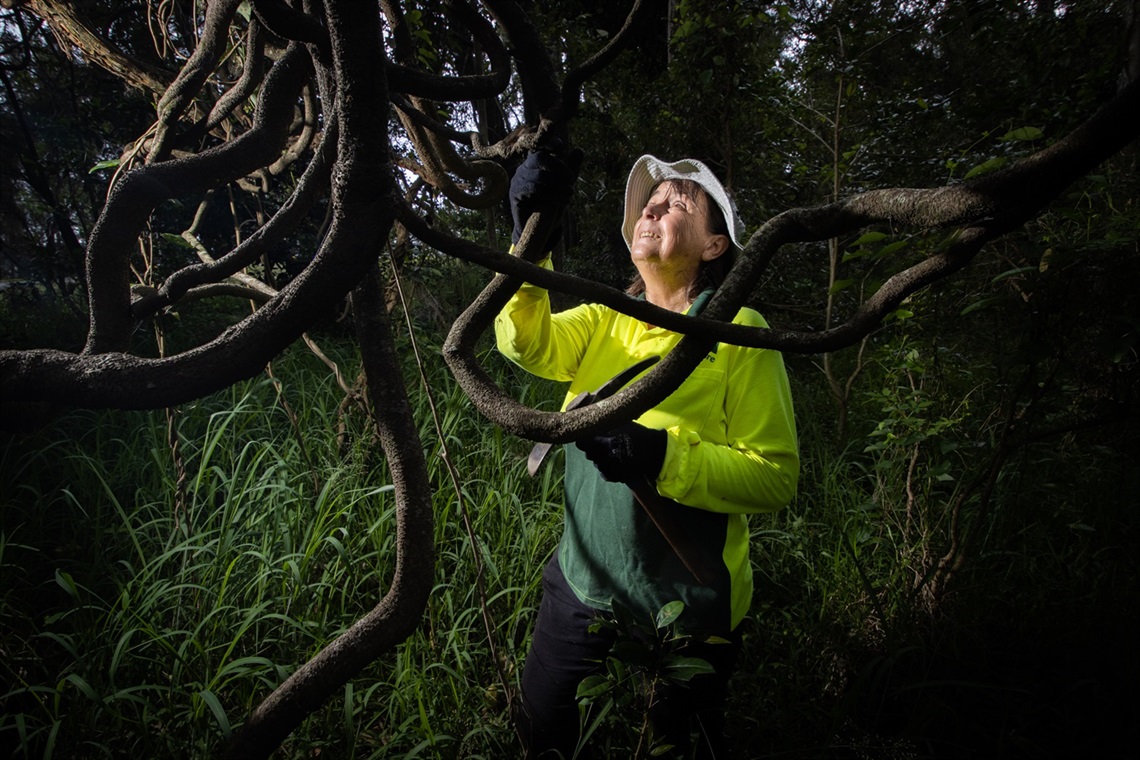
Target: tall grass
point(137, 625)
point(134, 628)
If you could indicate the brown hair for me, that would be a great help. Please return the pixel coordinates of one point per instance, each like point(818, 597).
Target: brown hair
point(710, 274)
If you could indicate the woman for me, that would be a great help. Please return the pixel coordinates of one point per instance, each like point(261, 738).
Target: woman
point(721, 447)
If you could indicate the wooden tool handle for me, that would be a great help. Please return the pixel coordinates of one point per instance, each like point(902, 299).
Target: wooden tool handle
point(661, 511)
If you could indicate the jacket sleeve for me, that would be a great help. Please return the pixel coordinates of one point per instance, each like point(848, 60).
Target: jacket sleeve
point(756, 466)
point(548, 345)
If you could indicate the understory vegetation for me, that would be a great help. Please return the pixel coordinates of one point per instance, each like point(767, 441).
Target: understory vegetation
point(959, 574)
point(164, 570)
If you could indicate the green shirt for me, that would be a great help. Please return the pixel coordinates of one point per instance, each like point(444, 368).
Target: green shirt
point(731, 451)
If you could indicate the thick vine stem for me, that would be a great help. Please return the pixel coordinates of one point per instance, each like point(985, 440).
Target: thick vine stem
point(997, 201)
point(420, 118)
point(989, 207)
point(404, 78)
point(290, 24)
point(572, 84)
point(783, 229)
point(541, 90)
point(188, 83)
point(291, 213)
point(397, 614)
point(471, 87)
point(439, 160)
point(252, 72)
point(354, 33)
point(364, 197)
point(484, 33)
point(512, 146)
point(134, 197)
point(310, 129)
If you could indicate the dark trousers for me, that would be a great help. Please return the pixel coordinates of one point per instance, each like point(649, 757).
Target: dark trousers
point(563, 652)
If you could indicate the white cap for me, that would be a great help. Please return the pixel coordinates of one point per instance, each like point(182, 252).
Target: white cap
point(649, 171)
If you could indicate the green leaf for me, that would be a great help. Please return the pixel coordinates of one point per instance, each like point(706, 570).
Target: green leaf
point(839, 285)
point(986, 167)
point(899, 315)
point(67, 583)
point(1116, 347)
point(1023, 133)
point(683, 669)
point(593, 686)
point(78, 682)
point(890, 248)
point(668, 614)
point(177, 240)
point(1012, 273)
point(349, 723)
point(108, 164)
point(949, 240)
point(216, 708)
point(624, 618)
point(871, 237)
point(982, 304)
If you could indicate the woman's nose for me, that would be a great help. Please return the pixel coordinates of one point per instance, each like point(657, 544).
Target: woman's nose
point(652, 209)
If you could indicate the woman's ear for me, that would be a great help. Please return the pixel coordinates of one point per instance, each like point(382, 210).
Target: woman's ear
point(716, 246)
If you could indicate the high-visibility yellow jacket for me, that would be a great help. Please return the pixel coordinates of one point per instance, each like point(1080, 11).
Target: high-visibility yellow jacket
point(731, 451)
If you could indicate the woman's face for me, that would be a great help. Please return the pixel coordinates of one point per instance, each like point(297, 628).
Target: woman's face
point(672, 237)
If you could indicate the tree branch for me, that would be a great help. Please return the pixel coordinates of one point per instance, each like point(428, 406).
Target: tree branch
point(285, 220)
point(362, 212)
point(188, 83)
point(572, 84)
point(438, 158)
point(1000, 198)
point(291, 24)
point(134, 197)
point(71, 30)
point(541, 92)
point(252, 72)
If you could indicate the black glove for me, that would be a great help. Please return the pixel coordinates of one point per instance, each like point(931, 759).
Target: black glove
point(626, 452)
point(541, 183)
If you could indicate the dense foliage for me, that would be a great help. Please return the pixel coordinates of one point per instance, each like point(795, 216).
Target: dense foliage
point(957, 577)
point(154, 588)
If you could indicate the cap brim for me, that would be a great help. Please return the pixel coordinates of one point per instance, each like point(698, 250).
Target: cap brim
point(649, 171)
